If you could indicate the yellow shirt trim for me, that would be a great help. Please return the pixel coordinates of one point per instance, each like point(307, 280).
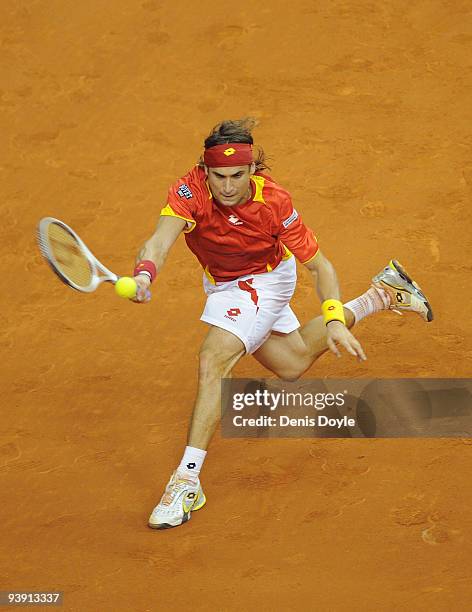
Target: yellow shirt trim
point(168, 212)
point(287, 254)
point(311, 258)
point(259, 182)
point(209, 276)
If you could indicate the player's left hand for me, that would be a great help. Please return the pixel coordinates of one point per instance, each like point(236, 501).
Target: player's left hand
point(338, 333)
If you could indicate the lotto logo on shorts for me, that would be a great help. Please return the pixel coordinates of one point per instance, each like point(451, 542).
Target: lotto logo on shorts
point(231, 313)
point(184, 192)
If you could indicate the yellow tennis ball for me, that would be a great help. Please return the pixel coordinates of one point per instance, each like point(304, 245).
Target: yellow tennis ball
point(126, 287)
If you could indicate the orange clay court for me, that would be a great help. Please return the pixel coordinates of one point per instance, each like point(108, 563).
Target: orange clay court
point(365, 109)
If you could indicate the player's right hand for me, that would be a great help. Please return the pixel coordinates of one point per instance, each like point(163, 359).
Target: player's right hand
point(338, 333)
point(143, 293)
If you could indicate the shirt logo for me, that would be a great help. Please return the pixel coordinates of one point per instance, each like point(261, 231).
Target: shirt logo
point(293, 217)
point(184, 192)
point(229, 151)
point(234, 220)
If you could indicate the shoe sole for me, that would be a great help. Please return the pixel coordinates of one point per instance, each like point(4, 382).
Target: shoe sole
point(185, 518)
point(396, 265)
point(403, 273)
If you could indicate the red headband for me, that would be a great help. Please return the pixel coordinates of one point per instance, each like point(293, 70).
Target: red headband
point(230, 154)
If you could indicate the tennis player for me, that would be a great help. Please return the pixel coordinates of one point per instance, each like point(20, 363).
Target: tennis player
point(244, 230)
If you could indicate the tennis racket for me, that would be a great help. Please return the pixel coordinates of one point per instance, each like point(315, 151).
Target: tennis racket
point(70, 258)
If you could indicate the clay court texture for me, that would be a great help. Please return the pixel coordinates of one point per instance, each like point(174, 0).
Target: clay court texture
point(365, 109)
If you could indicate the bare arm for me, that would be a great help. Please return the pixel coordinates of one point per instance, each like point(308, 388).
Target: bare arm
point(325, 278)
point(156, 250)
point(158, 246)
point(327, 287)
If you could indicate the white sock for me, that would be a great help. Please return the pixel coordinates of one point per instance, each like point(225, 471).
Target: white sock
point(372, 301)
point(192, 461)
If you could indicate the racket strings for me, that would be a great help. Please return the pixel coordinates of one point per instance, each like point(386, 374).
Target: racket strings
point(68, 256)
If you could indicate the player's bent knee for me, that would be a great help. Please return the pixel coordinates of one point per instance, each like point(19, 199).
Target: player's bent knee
point(289, 375)
point(214, 364)
point(292, 372)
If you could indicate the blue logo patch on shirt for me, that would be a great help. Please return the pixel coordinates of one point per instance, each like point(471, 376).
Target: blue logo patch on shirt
point(184, 192)
point(293, 217)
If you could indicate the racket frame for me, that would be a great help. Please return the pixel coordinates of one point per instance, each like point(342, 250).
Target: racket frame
point(99, 272)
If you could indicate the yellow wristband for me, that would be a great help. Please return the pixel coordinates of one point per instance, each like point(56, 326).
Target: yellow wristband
point(333, 311)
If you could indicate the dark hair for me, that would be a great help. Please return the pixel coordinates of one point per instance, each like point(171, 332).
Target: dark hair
point(236, 130)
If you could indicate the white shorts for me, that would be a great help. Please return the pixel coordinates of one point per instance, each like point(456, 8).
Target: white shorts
point(251, 306)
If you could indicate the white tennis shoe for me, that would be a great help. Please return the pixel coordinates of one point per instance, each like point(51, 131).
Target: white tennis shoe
point(404, 292)
point(182, 495)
